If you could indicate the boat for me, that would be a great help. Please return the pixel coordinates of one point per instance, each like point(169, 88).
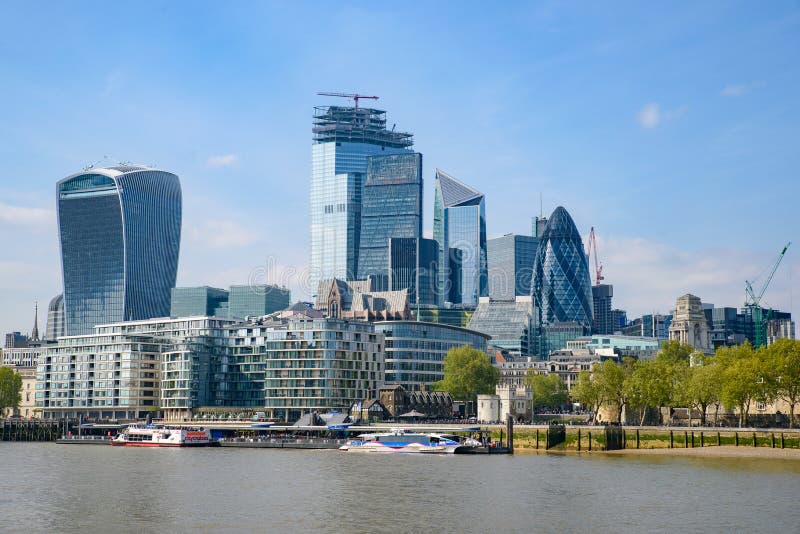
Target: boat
point(399, 440)
point(150, 435)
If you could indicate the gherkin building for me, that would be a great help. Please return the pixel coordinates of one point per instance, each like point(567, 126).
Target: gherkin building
point(562, 287)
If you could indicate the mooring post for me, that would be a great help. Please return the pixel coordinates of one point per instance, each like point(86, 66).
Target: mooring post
point(510, 434)
point(671, 439)
point(719, 440)
point(637, 438)
point(685, 439)
point(736, 439)
point(701, 439)
point(781, 440)
point(754, 439)
point(590, 441)
point(773, 440)
point(579, 440)
point(537, 439)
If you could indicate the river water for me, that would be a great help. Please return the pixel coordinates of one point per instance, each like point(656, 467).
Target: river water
point(78, 488)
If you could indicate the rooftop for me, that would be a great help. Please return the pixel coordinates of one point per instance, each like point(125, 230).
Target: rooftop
point(356, 125)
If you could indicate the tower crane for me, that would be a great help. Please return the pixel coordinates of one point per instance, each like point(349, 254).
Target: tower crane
point(753, 301)
point(598, 267)
point(353, 96)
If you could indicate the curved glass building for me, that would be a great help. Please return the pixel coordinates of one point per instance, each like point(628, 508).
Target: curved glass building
point(120, 231)
point(561, 287)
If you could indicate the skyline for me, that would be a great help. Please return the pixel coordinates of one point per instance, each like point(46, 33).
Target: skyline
point(229, 111)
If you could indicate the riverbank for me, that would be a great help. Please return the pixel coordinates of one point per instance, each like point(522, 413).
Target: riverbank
point(714, 452)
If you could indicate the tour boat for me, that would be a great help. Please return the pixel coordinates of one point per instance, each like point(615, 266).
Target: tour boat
point(161, 436)
point(401, 441)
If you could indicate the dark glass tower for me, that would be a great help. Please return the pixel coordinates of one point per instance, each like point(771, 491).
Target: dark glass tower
point(391, 208)
point(510, 261)
point(561, 288)
point(120, 231)
point(459, 227)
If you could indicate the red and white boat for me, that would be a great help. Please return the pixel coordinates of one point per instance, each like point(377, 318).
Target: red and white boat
point(161, 436)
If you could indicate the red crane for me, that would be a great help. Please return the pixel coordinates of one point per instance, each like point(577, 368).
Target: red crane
point(355, 97)
point(598, 267)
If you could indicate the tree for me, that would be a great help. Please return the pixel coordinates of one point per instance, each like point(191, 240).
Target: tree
point(745, 378)
point(784, 360)
point(10, 388)
point(650, 385)
point(548, 390)
point(467, 373)
point(585, 390)
point(611, 379)
point(703, 387)
point(676, 351)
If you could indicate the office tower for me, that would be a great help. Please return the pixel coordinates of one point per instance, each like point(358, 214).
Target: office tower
point(256, 300)
point(601, 307)
point(343, 138)
point(562, 289)
point(55, 318)
point(120, 230)
point(459, 227)
point(199, 301)
point(510, 260)
point(16, 340)
point(508, 322)
point(391, 208)
point(619, 320)
point(413, 266)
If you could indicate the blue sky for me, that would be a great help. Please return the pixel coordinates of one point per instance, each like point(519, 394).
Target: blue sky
point(673, 129)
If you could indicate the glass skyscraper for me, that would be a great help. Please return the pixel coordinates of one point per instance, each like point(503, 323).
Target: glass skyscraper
point(561, 287)
point(510, 261)
point(343, 138)
point(256, 299)
point(459, 226)
point(120, 231)
point(199, 301)
point(391, 208)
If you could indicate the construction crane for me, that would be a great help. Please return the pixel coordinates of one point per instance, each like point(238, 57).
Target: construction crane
point(598, 267)
point(353, 96)
point(753, 301)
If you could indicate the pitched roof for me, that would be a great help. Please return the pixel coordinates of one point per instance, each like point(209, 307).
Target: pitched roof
point(454, 192)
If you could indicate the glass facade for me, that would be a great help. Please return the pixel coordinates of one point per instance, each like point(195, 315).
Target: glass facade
point(603, 320)
point(344, 137)
point(415, 351)
point(391, 208)
point(509, 323)
point(407, 272)
point(561, 288)
point(510, 260)
point(199, 301)
point(257, 300)
point(119, 229)
point(55, 318)
point(459, 227)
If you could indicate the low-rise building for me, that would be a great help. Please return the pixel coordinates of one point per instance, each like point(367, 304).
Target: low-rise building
point(516, 401)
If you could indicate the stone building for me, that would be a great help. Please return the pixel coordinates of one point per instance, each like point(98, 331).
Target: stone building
point(516, 401)
point(359, 300)
point(689, 324)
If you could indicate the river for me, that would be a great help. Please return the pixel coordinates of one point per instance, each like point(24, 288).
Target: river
point(77, 488)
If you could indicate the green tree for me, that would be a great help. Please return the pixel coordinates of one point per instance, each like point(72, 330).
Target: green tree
point(548, 390)
point(676, 351)
point(611, 379)
point(10, 388)
point(745, 378)
point(467, 373)
point(585, 391)
point(703, 387)
point(784, 360)
point(651, 384)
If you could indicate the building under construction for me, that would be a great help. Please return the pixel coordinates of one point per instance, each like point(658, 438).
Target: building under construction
point(345, 124)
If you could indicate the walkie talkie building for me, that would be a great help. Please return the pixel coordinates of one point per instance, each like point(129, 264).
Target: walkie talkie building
point(120, 231)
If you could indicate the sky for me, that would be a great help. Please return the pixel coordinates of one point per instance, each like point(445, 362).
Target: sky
point(671, 128)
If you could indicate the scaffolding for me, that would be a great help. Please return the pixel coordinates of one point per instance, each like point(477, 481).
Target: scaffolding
point(342, 124)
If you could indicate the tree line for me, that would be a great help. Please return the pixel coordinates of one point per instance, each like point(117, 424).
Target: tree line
point(679, 377)
point(10, 390)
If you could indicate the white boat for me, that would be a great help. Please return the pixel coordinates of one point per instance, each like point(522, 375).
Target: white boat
point(161, 436)
point(398, 440)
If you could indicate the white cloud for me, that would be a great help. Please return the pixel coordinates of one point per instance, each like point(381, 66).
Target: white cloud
point(35, 218)
point(650, 115)
point(225, 160)
point(222, 234)
point(739, 89)
point(649, 275)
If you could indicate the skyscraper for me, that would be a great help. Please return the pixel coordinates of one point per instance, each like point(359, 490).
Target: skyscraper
point(120, 230)
point(510, 260)
point(459, 226)
point(256, 299)
point(55, 318)
point(413, 266)
point(601, 307)
point(391, 208)
point(561, 287)
point(343, 139)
